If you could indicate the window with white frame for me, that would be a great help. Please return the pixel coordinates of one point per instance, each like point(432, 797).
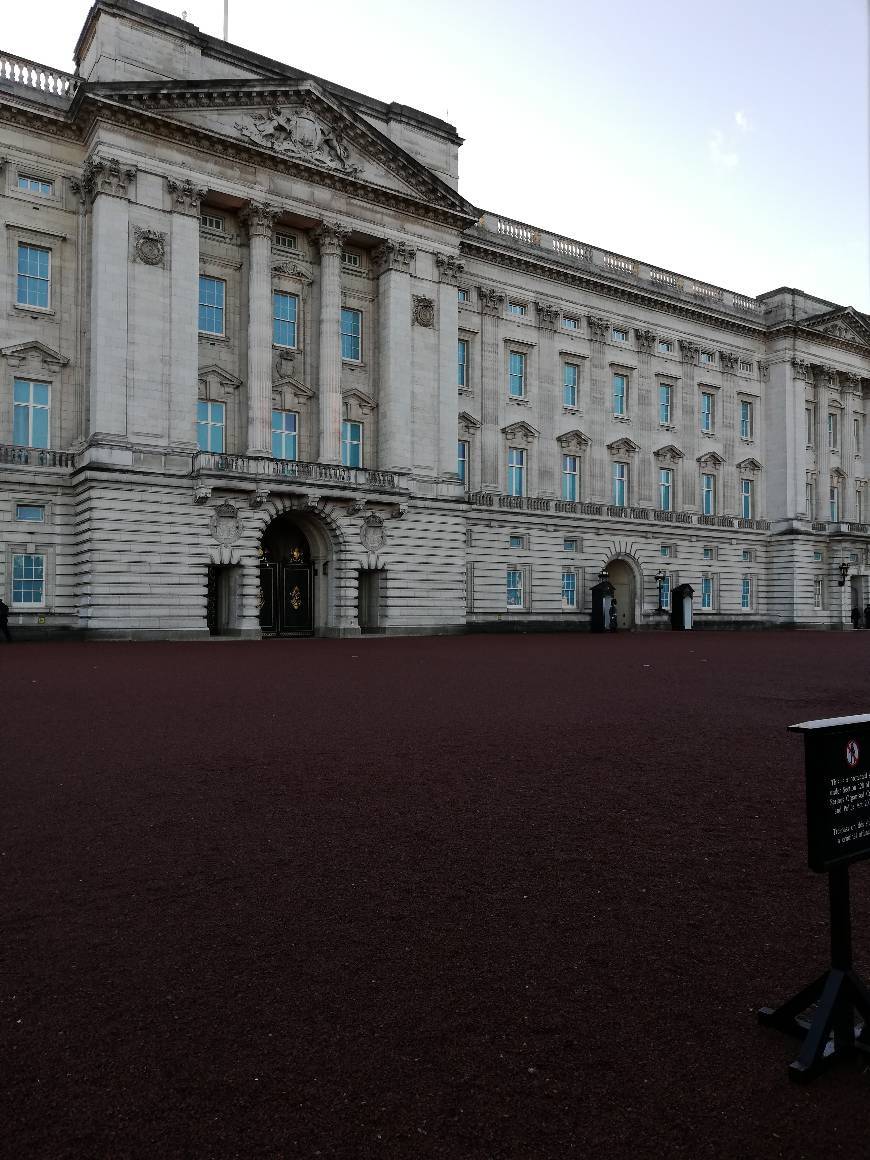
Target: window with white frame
point(746, 497)
point(833, 430)
point(620, 484)
point(285, 241)
point(569, 323)
point(516, 374)
point(709, 553)
point(515, 588)
point(708, 494)
point(811, 497)
point(516, 473)
point(666, 393)
point(818, 557)
point(31, 408)
point(37, 185)
point(212, 303)
point(34, 276)
point(707, 592)
point(570, 477)
point(351, 444)
point(210, 425)
point(708, 357)
point(285, 434)
point(618, 334)
point(747, 555)
point(28, 580)
point(462, 295)
point(620, 394)
point(351, 258)
point(746, 367)
point(569, 590)
point(746, 587)
point(351, 335)
point(570, 374)
point(665, 591)
point(666, 489)
point(818, 592)
point(462, 363)
point(811, 425)
point(745, 419)
point(665, 550)
point(517, 308)
point(665, 346)
point(519, 543)
point(835, 502)
point(285, 314)
point(30, 512)
point(569, 545)
point(462, 449)
point(211, 221)
point(707, 401)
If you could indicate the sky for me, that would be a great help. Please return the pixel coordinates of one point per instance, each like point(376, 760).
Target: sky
point(725, 141)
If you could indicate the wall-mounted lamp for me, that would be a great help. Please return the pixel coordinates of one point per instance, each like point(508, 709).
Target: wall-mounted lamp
point(603, 575)
point(660, 578)
point(843, 568)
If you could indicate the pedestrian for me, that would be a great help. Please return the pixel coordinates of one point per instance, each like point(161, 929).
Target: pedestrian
point(4, 620)
point(867, 615)
point(856, 617)
point(613, 625)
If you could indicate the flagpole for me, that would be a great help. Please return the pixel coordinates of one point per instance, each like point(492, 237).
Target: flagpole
point(226, 19)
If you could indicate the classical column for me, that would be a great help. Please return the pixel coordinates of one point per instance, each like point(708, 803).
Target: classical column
point(185, 200)
point(449, 273)
point(491, 302)
point(729, 425)
point(549, 393)
point(648, 418)
point(330, 238)
point(392, 263)
point(805, 372)
point(259, 219)
point(104, 186)
point(690, 425)
point(601, 407)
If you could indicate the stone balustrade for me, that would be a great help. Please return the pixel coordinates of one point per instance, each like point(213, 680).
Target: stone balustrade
point(35, 457)
point(287, 470)
point(19, 73)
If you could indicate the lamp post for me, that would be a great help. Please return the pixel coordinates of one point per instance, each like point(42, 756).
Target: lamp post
point(603, 575)
point(843, 569)
point(660, 578)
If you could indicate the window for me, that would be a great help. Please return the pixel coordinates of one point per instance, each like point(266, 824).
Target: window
point(746, 367)
point(351, 444)
point(518, 542)
point(620, 394)
point(351, 335)
point(34, 276)
point(618, 334)
point(286, 241)
point(212, 298)
point(747, 556)
point(811, 498)
point(859, 505)
point(570, 477)
point(462, 461)
point(818, 592)
point(569, 323)
point(706, 411)
point(665, 346)
point(285, 311)
point(514, 588)
point(746, 592)
point(462, 295)
point(707, 357)
point(351, 258)
point(745, 419)
point(569, 590)
point(665, 592)
point(708, 494)
point(709, 553)
point(31, 512)
point(211, 221)
point(516, 374)
point(665, 401)
point(665, 550)
point(620, 484)
point(28, 580)
point(818, 557)
point(569, 545)
point(516, 471)
point(746, 499)
point(811, 426)
point(285, 431)
point(569, 385)
point(516, 308)
point(856, 435)
point(30, 413)
point(833, 430)
point(462, 365)
point(666, 489)
point(35, 185)
point(707, 592)
point(210, 426)
point(835, 502)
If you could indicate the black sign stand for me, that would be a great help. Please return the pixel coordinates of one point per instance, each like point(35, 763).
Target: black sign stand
point(831, 1034)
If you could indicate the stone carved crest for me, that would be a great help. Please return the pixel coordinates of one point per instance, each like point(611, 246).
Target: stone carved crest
point(150, 246)
point(424, 311)
point(298, 132)
point(225, 524)
point(372, 535)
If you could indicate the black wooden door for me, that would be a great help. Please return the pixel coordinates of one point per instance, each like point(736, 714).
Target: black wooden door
point(268, 603)
point(296, 612)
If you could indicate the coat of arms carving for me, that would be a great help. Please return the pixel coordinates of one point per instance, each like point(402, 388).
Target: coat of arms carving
point(225, 524)
point(296, 132)
point(372, 534)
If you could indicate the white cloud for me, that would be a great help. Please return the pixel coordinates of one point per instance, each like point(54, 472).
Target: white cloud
point(721, 154)
point(742, 121)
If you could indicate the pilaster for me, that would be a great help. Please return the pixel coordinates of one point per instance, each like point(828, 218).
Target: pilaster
point(647, 416)
point(185, 199)
point(392, 263)
point(330, 240)
point(691, 424)
point(259, 218)
point(728, 366)
point(601, 407)
point(491, 303)
point(450, 271)
point(549, 396)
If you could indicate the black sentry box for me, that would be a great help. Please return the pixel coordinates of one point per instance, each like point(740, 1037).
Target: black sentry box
point(837, 769)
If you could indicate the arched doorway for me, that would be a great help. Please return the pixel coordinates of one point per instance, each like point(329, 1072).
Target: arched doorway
point(286, 574)
point(621, 576)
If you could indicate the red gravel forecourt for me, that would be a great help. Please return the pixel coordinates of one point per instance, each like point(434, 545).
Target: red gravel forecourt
point(474, 898)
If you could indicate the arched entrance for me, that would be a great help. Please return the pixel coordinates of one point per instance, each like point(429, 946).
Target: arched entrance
point(286, 575)
point(621, 576)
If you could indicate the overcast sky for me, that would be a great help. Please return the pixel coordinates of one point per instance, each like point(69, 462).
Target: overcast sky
point(727, 141)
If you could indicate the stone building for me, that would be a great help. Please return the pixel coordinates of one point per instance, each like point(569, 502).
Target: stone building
point(263, 369)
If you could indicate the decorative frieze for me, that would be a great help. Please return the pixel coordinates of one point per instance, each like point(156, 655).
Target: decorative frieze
point(102, 175)
point(391, 255)
point(297, 131)
point(491, 301)
point(450, 268)
point(186, 197)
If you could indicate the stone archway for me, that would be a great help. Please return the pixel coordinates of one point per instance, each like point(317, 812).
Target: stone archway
point(622, 576)
point(296, 585)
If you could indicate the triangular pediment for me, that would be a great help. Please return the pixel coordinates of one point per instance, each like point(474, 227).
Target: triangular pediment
point(711, 459)
point(749, 465)
point(844, 323)
point(297, 123)
point(22, 351)
point(468, 421)
point(572, 440)
point(298, 388)
point(520, 430)
point(670, 452)
point(623, 446)
point(362, 400)
point(213, 371)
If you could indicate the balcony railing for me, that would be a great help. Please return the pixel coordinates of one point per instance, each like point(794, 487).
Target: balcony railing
point(567, 507)
point(17, 72)
point(35, 457)
point(281, 470)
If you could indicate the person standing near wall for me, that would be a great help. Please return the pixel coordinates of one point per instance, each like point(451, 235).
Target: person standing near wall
point(4, 620)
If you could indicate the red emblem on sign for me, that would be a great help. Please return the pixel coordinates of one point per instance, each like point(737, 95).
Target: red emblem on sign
point(852, 753)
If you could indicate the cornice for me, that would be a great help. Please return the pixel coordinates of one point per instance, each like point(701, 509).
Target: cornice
point(796, 330)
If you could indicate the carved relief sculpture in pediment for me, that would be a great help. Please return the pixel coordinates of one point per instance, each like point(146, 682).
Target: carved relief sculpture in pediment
point(749, 466)
point(296, 131)
point(38, 352)
point(711, 460)
point(573, 442)
point(624, 446)
point(668, 454)
point(521, 432)
point(291, 270)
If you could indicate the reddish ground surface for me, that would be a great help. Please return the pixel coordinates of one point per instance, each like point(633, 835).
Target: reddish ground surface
point(482, 898)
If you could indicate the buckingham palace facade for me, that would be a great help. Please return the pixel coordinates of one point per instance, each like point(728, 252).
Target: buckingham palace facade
point(264, 371)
